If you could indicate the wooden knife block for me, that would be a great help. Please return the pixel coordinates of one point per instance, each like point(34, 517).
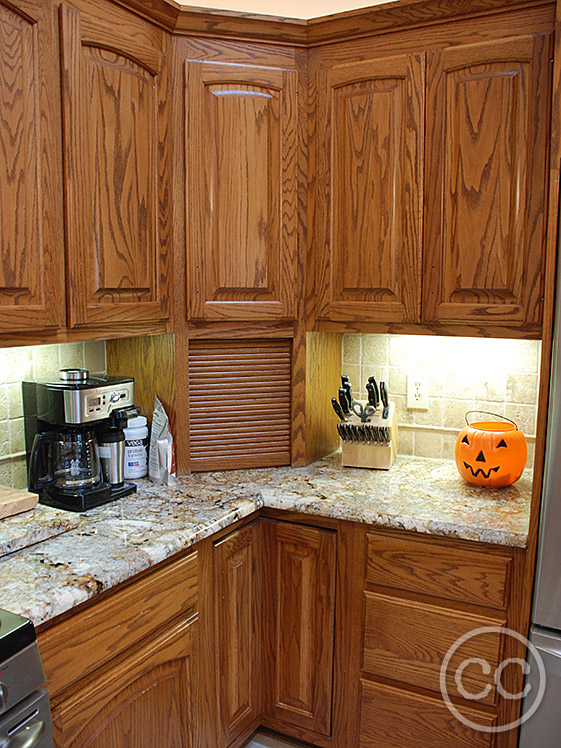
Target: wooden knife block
point(373, 456)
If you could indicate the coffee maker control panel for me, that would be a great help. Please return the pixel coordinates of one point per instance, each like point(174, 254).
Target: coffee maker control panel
point(93, 404)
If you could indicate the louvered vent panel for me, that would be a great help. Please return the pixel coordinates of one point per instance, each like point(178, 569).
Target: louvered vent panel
point(239, 403)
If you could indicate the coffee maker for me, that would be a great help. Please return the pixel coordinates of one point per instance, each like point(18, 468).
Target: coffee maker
point(63, 420)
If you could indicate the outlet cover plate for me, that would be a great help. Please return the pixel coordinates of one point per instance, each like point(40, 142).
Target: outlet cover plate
point(417, 391)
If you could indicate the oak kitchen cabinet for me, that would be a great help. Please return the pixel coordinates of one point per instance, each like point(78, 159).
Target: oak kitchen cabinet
point(241, 164)
point(117, 166)
point(299, 564)
point(135, 686)
point(327, 631)
point(32, 238)
point(84, 142)
point(409, 600)
point(461, 239)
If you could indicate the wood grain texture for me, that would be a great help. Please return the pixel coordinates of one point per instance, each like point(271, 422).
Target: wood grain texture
point(151, 361)
point(13, 501)
point(369, 189)
point(299, 588)
point(144, 700)
point(487, 112)
point(396, 718)
point(241, 239)
point(238, 623)
point(406, 641)
point(405, 14)
point(32, 270)
point(117, 171)
point(118, 622)
point(239, 404)
point(323, 371)
point(433, 567)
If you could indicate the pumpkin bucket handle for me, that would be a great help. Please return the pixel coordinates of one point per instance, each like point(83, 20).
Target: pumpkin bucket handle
point(488, 413)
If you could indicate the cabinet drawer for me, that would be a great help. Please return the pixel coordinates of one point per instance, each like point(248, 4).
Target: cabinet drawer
point(407, 641)
point(396, 718)
point(75, 647)
point(438, 568)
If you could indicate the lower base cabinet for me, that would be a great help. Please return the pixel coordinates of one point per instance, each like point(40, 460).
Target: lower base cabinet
point(121, 672)
point(299, 618)
point(334, 637)
point(144, 701)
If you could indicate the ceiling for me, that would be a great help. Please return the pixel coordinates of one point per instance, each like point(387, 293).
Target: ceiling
point(287, 8)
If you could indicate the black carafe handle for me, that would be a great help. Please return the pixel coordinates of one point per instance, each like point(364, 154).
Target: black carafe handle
point(40, 468)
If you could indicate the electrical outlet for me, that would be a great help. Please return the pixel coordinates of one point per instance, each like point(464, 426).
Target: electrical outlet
point(417, 392)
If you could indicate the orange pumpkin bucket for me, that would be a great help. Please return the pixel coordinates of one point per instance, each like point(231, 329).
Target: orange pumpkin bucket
point(491, 453)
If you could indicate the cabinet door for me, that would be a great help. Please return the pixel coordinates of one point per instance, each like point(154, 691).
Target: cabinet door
point(241, 136)
point(31, 239)
point(298, 598)
point(368, 198)
point(116, 172)
point(143, 700)
point(486, 196)
point(238, 627)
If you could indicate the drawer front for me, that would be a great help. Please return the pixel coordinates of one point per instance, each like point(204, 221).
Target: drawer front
point(75, 647)
point(438, 568)
point(407, 641)
point(396, 718)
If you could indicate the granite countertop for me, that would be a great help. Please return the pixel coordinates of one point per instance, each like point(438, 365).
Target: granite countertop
point(110, 544)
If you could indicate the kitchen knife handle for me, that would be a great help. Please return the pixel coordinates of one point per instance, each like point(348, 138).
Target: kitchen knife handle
point(343, 401)
point(384, 394)
point(371, 395)
point(372, 381)
point(338, 410)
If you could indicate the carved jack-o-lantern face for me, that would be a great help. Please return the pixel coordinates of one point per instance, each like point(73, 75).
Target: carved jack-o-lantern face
point(491, 454)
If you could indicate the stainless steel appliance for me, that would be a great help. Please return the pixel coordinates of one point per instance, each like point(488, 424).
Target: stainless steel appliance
point(62, 421)
point(542, 728)
point(25, 718)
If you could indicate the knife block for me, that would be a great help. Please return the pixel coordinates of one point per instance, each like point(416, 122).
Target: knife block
point(374, 456)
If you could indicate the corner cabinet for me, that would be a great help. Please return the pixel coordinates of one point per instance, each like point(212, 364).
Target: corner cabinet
point(299, 604)
point(486, 189)
point(117, 165)
point(241, 161)
point(369, 189)
point(32, 237)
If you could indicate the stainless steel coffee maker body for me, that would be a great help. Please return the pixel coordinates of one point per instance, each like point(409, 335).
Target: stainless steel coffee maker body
point(62, 421)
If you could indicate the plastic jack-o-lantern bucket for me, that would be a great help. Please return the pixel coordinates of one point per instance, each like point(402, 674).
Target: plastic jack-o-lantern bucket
point(491, 453)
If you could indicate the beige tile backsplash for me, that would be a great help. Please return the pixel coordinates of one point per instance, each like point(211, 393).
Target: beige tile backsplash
point(464, 374)
point(34, 362)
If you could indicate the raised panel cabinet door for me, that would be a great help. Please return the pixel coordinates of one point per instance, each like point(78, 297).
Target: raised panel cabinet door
point(299, 600)
point(143, 700)
point(369, 190)
point(486, 196)
point(238, 627)
point(241, 153)
point(116, 172)
point(31, 237)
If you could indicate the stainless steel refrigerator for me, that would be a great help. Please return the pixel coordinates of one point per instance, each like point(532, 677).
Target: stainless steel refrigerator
point(543, 728)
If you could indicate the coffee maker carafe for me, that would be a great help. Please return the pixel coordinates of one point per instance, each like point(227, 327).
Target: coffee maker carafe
point(62, 419)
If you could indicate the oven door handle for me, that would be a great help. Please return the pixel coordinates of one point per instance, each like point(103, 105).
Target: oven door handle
point(28, 737)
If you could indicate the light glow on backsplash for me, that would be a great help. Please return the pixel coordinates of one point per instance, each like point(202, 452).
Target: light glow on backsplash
point(496, 375)
point(33, 362)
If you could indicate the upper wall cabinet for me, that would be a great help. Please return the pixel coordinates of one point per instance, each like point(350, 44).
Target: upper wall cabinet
point(369, 169)
point(117, 162)
point(241, 151)
point(31, 237)
point(486, 193)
